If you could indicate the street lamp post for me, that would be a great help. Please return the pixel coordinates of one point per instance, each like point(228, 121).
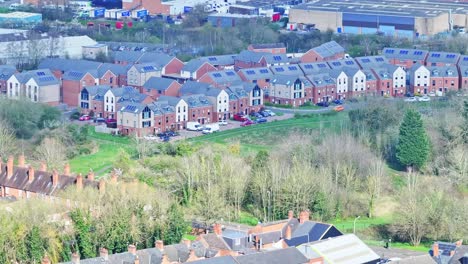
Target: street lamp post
point(354, 224)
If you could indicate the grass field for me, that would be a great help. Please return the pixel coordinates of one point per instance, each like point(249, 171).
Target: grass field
point(361, 223)
point(265, 136)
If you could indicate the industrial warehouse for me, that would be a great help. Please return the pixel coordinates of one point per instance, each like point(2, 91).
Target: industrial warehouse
point(398, 18)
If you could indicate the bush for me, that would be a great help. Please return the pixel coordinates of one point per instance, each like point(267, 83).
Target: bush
point(75, 115)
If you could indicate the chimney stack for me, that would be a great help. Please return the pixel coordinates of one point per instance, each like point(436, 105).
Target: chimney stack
point(217, 229)
point(21, 160)
point(91, 175)
point(30, 174)
point(290, 214)
point(75, 258)
point(104, 254)
point(66, 170)
point(10, 167)
point(435, 250)
point(43, 166)
point(159, 244)
point(303, 217)
point(79, 182)
point(288, 233)
point(102, 186)
point(131, 249)
point(55, 178)
point(45, 260)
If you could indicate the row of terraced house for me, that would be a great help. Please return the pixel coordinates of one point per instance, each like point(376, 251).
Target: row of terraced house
point(148, 92)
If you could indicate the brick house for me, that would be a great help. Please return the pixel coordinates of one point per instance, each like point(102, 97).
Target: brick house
point(116, 97)
point(238, 100)
point(164, 117)
point(274, 48)
point(310, 68)
point(463, 71)
point(159, 86)
point(371, 82)
point(180, 109)
point(253, 93)
point(23, 181)
point(356, 82)
point(218, 97)
point(113, 75)
point(72, 84)
point(135, 119)
point(443, 79)
point(251, 59)
point(325, 52)
point(167, 64)
point(92, 99)
point(261, 76)
point(139, 74)
point(200, 109)
point(195, 69)
point(220, 79)
point(293, 70)
point(370, 62)
point(441, 59)
point(324, 86)
point(391, 80)
point(6, 71)
point(405, 58)
point(37, 86)
point(419, 79)
point(221, 62)
point(340, 79)
point(288, 90)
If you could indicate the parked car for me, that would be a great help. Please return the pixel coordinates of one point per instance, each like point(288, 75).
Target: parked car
point(338, 108)
point(271, 113)
point(261, 120)
point(150, 137)
point(165, 138)
point(432, 94)
point(256, 115)
point(194, 126)
point(111, 120)
point(323, 104)
point(240, 117)
point(210, 128)
point(338, 101)
point(247, 123)
point(99, 120)
point(223, 122)
point(424, 99)
point(84, 118)
point(409, 94)
point(411, 99)
point(264, 113)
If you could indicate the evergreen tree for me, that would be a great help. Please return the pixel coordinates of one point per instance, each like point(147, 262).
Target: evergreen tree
point(35, 245)
point(83, 233)
point(176, 225)
point(464, 125)
point(413, 143)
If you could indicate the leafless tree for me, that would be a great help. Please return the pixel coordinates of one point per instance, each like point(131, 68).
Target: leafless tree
point(53, 152)
point(7, 139)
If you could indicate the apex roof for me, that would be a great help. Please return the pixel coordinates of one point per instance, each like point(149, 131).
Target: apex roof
point(224, 77)
point(315, 67)
point(68, 65)
point(6, 71)
point(328, 49)
point(158, 83)
point(369, 62)
point(194, 65)
point(294, 70)
point(442, 57)
point(405, 54)
point(257, 73)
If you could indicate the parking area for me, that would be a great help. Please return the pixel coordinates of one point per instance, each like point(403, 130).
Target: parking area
point(184, 134)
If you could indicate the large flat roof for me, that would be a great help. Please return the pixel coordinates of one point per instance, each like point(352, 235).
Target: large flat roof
point(411, 8)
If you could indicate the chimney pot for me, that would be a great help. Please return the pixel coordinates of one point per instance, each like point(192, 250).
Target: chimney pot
point(79, 182)
point(435, 250)
point(290, 214)
point(30, 174)
point(55, 178)
point(91, 175)
point(102, 186)
point(66, 170)
point(45, 260)
point(10, 166)
point(75, 258)
point(43, 166)
point(21, 160)
point(104, 254)
point(131, 249)
point(303, 217)
point(218, 229)
point(159, 244)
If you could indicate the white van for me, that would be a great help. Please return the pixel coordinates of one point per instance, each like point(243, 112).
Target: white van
point(194, 126)
point(211, 128)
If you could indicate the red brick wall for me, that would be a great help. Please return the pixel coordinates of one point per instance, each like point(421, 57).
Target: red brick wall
point(173, 89)
point(3, 86)
point(122, 80)
point(206, 67)
point(161, 124)
point(271, 50)
point(203, 115)
point(71, 89)
point(371, 87)
point(241, 105)
point(445, 83)
point(206, 79)
point(174, 66)
point(464, 82)
point(311, 56)
point(325, 91)
point(382, 87)
point(97, 107)
point(105, 80)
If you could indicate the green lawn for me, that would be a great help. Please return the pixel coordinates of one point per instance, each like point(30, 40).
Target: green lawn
point(361, 223)
point(421, 248)
point(265, 136)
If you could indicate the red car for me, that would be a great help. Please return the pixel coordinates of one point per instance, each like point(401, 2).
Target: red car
point(240, 117)
point(84, 118)
point(247, 123)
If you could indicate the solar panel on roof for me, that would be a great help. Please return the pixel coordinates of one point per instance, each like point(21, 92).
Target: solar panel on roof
point(450, 56)
point(263, 71)
point(40, 73)
point(365, 60)
point(148, 68)
point(131, 107)
point(446, 248)
point(277, 58)
point(389, 51)
point(250, 72)
point(229, 73)
point(321, 65)
point(403, 52)
point(217, 75)
point(308, 66)
point(379, 59)
point(292, 68)
point(212, 59)
point(435, 55)
point(279, 69)
point(349, 62)
point(336, 63)
point(465, 59)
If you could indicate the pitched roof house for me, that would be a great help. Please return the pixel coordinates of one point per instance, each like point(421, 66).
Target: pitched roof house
point(437, 58)
point(405, 58)
point(325, 52)
point(37, 86)
point(158, 86)
point(195, 69)
point(6, 71)
point(220, 78)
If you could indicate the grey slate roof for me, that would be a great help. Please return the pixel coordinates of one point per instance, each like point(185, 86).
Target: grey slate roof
point(463, 60)
point(147, 67)
point(281, 256)
point(350, 71)
point(315, 67)
point(124, 90)
point(131, 107)
point(6, 71)
point(464, 71)
point(328, 49)
point(42, 77)
point(289, 79)
point(442, 57)
point(220, 60)
point(193, 87)
point(257, 73)
point(385, 72)
point(215, 242)
point(368, 62)
point(293, 70)
point(157, 58)
point(77, 75)
point(170, 100)
point(97, 92)
point(193, 65)
point(68, 65)
point(321, 79)
point(222, 77)
point(158, 83)
point(445, 71)
point(250, 56)
point(114, 68)
point(196, 100)
point(370, 75)
point(404, 54)
point(339, 64)
point(216, 260)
